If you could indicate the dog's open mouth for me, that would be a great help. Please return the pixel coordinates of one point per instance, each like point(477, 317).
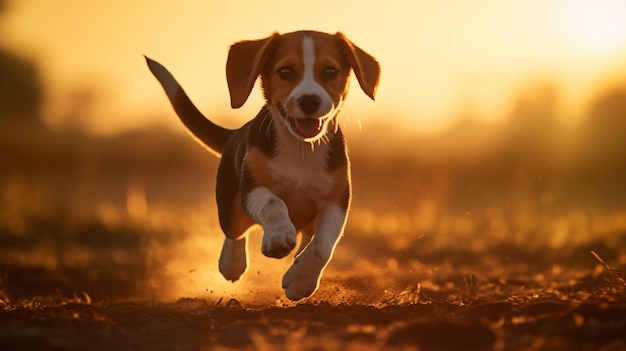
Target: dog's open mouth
point(308, 128)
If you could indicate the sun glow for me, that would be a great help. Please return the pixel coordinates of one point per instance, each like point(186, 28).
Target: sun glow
point(438, 61)
point(597, 27)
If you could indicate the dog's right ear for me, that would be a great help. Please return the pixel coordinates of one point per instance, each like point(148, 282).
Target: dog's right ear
point(245, 61)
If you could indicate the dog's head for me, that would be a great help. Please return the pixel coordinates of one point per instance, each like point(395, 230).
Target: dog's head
point(304, 77)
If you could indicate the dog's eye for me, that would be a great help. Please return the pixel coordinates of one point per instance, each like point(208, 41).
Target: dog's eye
point(285, 73)
point(329, 73)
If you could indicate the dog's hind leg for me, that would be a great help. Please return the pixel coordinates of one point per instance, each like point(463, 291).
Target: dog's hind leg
point(234, 258)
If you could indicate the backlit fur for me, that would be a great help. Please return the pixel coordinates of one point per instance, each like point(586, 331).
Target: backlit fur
point(287, 169)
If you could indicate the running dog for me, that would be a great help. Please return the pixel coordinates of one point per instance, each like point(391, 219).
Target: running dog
point(288, 168)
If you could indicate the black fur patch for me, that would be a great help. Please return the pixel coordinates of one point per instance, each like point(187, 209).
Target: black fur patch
point(337, 156)
point(261, 134)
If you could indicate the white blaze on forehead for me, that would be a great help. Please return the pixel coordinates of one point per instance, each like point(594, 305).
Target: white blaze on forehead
point(308, 57)
point(308, 85)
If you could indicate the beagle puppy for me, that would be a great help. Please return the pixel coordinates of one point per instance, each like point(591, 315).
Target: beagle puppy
point(287, 169)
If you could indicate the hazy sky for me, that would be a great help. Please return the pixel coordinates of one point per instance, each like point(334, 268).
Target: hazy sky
point(439, 58)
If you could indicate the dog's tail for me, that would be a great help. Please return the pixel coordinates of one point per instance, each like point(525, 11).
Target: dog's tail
point(209, 133)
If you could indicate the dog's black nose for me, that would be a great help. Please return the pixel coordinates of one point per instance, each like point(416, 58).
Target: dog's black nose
point(309, 103)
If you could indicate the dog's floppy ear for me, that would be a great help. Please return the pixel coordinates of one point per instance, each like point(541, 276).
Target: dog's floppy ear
point(365, 67)
point(245, 61)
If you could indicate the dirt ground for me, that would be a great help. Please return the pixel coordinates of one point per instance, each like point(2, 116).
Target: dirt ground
point(191, 324)
point(526, 322)
point(501, 298)
point(112, 244)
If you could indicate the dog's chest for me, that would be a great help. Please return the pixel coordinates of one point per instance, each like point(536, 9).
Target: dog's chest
point(301, 171)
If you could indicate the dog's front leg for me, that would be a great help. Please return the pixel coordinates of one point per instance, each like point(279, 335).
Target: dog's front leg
point(302, 278)
point(270, 211)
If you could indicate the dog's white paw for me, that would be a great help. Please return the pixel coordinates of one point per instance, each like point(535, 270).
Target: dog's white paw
point(301, 280)
point(233, 259)
point(279, 241)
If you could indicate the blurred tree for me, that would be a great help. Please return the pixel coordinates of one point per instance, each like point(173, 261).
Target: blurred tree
point(532, 129)
point(603, 131)
point(598, 160)
point(529, 145)
point(20, 92)
point(602, 143)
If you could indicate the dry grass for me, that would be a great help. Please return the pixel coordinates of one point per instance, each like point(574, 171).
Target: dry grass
point(113, 243)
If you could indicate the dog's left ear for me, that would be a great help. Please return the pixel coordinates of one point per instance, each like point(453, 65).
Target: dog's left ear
point(365, 67)
point(244, 64)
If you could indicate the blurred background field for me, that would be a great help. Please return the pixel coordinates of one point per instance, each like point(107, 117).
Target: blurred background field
point(517, 198)
point(133, 215)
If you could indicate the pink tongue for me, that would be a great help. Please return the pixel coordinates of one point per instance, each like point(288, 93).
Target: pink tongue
point(309, 127)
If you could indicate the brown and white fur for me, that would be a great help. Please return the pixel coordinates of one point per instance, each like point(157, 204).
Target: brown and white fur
point(287, 169)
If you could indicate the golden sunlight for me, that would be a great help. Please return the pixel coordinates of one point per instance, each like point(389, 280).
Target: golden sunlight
point(596, 27)
point(487, 179)
point(439, 62)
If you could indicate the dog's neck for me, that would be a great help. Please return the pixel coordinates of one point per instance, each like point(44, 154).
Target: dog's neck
point(304, 165)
